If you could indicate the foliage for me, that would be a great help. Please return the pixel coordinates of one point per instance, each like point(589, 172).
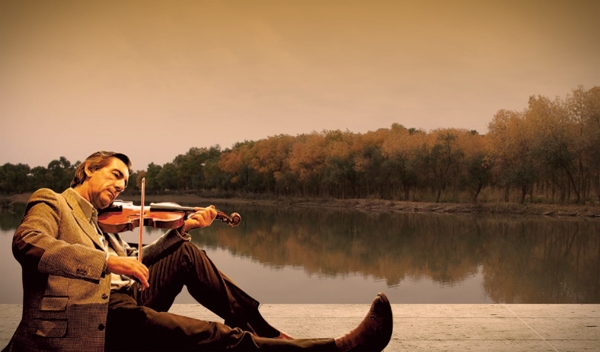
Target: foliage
point(549, 152)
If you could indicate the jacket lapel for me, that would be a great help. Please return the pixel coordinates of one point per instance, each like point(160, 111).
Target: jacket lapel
point(82, 221)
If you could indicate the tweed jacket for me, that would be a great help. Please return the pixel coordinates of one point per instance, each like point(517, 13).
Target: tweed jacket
point(66, 287)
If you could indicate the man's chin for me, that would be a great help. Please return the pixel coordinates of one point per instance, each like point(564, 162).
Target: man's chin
point(105, 203)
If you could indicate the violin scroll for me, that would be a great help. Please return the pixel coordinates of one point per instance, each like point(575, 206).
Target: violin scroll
point(232, 220)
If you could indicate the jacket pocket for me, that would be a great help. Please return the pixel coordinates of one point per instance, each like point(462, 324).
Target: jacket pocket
point(54, 304)
point(50, 328)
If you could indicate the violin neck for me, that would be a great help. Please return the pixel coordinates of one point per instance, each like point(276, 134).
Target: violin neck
point(170, 207)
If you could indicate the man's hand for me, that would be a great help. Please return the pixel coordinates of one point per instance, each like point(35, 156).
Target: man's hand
point(203, 217)
point(129, 266)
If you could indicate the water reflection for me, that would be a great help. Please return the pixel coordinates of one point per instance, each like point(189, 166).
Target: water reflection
point(415, 258)
point(523, 260)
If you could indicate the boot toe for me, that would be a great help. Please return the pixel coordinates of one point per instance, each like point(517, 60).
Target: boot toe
point(374, 332)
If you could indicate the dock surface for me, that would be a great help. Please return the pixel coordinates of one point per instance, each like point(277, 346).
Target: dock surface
point(423, 327)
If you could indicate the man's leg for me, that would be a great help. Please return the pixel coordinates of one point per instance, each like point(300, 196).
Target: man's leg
point(187, 265)
point(131, 327)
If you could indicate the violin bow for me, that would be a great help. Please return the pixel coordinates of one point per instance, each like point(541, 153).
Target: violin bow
point(140, 240)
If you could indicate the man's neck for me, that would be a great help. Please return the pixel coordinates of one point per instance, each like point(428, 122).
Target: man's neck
point(83, 192)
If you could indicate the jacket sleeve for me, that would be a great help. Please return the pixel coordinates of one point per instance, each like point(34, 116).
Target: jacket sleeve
point(44, 243)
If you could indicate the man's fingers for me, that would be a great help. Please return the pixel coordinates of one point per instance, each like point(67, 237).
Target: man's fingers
point(141, 273)
point(129, 266)
point(205, 215)
point(142, 280)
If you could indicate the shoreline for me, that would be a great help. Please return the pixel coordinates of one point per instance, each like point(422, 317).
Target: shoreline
point(378, 205)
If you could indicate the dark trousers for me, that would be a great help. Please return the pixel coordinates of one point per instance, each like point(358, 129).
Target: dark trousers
point(139, 320)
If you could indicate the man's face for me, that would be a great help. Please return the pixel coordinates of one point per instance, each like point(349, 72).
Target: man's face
point(104, 185)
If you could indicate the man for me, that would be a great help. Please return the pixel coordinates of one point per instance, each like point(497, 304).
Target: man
point(84, 290)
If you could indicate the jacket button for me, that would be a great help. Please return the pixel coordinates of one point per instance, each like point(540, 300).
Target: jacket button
point(104, 296)
point(101, 327)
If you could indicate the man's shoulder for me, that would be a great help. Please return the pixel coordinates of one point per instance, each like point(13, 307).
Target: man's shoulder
point(46, 195)
point(43, 193)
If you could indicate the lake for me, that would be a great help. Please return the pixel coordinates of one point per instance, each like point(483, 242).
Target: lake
point(310, 255)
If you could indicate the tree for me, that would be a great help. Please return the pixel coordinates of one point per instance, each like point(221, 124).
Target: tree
point(307, 160)
point(443, 161)
point(139, 176)
point(583, 110)
point(59, 175)
point(510, 152)
point(38, 178)
point(190, 166)
point(476, 171)
point(167, 177)
point(270, 158)
point(14, 178)
point(237, 163)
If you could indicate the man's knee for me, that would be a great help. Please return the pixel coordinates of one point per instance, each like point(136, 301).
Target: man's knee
point(190, 247)
point(193, 251)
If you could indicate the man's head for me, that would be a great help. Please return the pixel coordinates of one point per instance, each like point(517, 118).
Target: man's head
point(102, 177)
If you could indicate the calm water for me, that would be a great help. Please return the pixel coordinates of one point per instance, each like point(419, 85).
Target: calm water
point(291, 255)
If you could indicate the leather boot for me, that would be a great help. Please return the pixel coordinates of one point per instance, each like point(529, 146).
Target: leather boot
point(374, 332)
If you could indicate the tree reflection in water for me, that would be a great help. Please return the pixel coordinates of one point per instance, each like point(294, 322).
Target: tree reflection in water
point(519, 259)
point(523, 259)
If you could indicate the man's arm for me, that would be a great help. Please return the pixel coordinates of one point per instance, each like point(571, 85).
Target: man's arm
point(38, 243)
point(128, 265)
point(203, 217)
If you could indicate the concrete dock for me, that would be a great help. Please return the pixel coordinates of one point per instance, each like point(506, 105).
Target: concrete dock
point(424, 327)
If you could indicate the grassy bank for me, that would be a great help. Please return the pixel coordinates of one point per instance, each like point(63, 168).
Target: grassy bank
point(378, 205)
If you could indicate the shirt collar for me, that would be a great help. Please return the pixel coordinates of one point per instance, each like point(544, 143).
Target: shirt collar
point(88, 209)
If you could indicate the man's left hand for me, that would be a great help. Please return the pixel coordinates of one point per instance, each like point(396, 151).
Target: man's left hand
point(203, 217)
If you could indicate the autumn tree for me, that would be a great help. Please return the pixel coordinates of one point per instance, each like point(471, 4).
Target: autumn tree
point(476, 170)
point(307, 160)
point(583, 111)
point(443, 161)
point(339, 175)
point(550, 151)
point(369, 162)
point(510, 151)
point(404, 149)
point(270, 158)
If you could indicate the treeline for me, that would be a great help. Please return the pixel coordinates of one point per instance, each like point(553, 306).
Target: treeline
point(549, 153)
point(20, 178)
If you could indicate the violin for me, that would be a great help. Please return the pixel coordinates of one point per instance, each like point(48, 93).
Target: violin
point(124, 216)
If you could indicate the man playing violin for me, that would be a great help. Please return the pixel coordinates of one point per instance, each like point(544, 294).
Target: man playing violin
point(85, 290)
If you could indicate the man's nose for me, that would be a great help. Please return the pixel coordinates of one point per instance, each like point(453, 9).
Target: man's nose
point(120, 185)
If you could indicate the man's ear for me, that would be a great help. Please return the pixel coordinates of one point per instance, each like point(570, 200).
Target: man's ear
point(88, 172)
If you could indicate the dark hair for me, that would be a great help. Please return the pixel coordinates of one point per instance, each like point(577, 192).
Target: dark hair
point(97, 161)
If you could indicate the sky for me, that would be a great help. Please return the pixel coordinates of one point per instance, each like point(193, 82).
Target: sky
point(154, 78)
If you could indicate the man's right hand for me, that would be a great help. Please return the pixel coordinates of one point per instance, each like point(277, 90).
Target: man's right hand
point(129, 266)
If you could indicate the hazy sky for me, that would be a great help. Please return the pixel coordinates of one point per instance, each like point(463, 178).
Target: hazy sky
point(154, 78)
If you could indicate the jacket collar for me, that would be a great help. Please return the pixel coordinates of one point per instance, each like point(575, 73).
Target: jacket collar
point(83, 218)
